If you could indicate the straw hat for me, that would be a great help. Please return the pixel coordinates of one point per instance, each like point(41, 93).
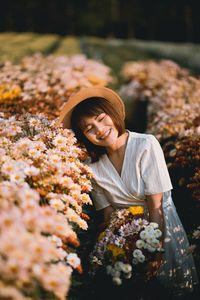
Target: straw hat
point(83, 94)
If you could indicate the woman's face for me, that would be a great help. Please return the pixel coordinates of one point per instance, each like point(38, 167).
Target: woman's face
point(100, 130)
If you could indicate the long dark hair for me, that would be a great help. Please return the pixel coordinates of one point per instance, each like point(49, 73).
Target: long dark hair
point(93, 107)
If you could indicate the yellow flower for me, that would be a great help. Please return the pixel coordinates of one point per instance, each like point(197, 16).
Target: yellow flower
point(135, 210)
point(96, 80)
point(115, 250)
point(10, 93)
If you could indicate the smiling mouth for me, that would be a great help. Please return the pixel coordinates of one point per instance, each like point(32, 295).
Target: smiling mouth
point(105, 135)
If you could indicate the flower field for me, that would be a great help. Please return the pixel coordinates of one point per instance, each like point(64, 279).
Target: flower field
point(42, 84)
point(173, 99)
point(44, 183)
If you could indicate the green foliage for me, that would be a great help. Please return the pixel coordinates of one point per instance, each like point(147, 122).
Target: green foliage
point(15, 46)
point(68, 46)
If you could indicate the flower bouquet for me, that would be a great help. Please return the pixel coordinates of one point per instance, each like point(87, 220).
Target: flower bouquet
point(124, 249)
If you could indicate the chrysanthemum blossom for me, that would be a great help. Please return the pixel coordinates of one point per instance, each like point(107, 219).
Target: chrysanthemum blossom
point(57, 204)
point(59, 141)
point(117, 280)
point(137, 253)
point(157, 233)
point(154, 225)
point(73, 260)
point(144, 234)
point(140, 244)
point(31, 171)
point(55, 240)
point(127, 268)
point(119, 241)
point(119, 265)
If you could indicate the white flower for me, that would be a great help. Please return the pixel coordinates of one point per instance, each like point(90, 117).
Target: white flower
point(140, 244)
point(150, 248)
point(17, 177)
point(56, 203)
point(62, 253)
point(59, 141)
point(37, 145)
point(128, 275)
point(120, 214)
point(140, 222)
point(118, 265)
point(7, 168)
point(155, 243)
point(137, 253)
point(117, 280)
point(73, 260)
point(66, 181)
point(141, 258)
point(144, 234)
point(13, 130)
point(157, 233)
point(34, 122)
point(149, 229)
point(55, 158)
point(150, 240)
point(114, 273)
point(34, 153)
point(85, 198)
point(55, 240)
point(134, 261)
point(154, 225)
point(96, 260)
point(127, 268)
point(120, 241)
point(196, 234)
point(31, 171)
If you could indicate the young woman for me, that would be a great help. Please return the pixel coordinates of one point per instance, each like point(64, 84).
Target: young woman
point(130, 170)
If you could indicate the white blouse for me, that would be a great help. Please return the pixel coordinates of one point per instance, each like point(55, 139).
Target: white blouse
point(144, 172)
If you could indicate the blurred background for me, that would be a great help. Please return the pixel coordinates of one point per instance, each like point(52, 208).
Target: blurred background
point(113, 31)
point(167, 20)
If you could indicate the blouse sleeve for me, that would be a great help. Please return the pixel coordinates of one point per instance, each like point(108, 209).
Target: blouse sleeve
point(154, 170)
point(99, 198)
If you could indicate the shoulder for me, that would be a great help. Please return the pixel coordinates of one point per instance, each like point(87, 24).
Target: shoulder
point(145, 140)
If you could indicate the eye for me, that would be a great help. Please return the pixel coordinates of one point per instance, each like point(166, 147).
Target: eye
point(87, 130)
point(101, 117)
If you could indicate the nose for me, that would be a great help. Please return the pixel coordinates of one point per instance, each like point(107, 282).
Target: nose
point(99, 130)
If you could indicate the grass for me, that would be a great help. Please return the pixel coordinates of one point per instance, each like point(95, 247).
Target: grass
point(69, 45)
point(112, 52)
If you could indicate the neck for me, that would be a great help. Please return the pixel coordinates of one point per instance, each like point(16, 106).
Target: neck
point(119, 146)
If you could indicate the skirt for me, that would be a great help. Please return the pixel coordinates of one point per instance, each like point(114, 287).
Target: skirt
point(177, 273)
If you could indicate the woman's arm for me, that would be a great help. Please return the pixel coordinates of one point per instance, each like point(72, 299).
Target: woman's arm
point(107, 213)
point(154, 203)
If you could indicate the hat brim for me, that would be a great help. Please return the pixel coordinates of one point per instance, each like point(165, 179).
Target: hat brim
point(85, 93)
